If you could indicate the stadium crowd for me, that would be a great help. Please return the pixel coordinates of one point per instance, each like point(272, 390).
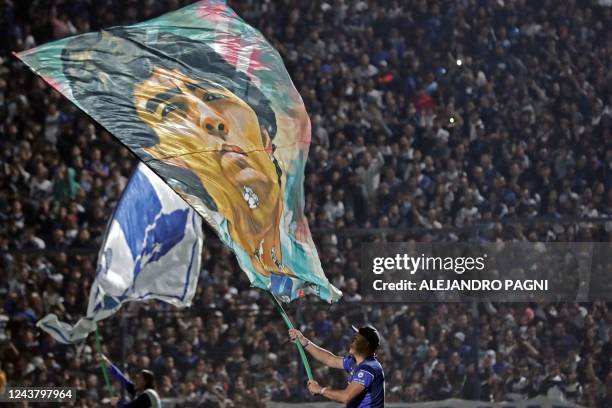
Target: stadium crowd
point(432, 120)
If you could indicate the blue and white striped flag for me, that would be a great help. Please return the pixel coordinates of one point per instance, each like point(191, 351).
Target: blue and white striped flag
point(152, 250)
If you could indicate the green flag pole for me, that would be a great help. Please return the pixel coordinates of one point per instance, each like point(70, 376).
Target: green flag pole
point(109, 386)
point(283, 314)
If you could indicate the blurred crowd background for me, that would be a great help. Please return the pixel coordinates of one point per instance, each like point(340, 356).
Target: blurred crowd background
point(446, 120)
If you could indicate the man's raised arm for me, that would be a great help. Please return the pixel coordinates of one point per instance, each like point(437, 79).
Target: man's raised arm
point(324, 356)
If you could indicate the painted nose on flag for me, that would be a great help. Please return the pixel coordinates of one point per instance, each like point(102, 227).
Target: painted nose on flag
point(215, 125)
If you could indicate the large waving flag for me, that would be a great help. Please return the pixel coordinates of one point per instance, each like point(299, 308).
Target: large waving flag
point(206, 102)
point(152, 250)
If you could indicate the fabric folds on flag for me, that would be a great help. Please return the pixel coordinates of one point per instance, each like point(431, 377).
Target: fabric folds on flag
point(152, 250)
point(205, 101)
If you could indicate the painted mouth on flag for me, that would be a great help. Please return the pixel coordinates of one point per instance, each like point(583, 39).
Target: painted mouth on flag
point(235, 155)
point(232, 150)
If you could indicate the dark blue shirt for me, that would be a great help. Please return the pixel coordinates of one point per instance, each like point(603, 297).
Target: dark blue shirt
point(141, 401)
point(369, 374)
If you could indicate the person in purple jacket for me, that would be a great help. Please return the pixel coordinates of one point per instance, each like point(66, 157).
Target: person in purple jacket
point(366, 382)
point(142, 390)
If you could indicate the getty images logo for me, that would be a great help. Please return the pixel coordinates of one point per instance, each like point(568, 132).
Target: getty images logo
point(413, 264)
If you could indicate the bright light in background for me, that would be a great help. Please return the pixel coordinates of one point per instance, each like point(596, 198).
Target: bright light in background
point(459, 62)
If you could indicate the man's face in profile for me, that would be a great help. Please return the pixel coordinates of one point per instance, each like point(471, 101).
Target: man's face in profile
point(194, 116)
point(140, 382)
point(359, 345)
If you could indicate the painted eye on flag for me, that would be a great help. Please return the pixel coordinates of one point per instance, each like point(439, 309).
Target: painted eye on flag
point(168, 109)
point(209, 97)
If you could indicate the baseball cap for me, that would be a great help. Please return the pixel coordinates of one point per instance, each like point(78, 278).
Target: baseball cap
point(370, 333)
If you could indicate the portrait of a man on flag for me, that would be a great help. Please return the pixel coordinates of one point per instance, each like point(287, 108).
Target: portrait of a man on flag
point(197, 125)
point(206, 102)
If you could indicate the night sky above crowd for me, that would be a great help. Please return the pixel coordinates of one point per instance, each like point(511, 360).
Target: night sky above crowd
point(431, 121)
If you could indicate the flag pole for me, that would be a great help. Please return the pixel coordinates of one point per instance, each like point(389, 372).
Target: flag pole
point(283, 314)
point(109, 386)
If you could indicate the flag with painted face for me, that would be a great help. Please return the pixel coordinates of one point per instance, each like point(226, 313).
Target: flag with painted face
point(152, 250)
point(205, 101)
